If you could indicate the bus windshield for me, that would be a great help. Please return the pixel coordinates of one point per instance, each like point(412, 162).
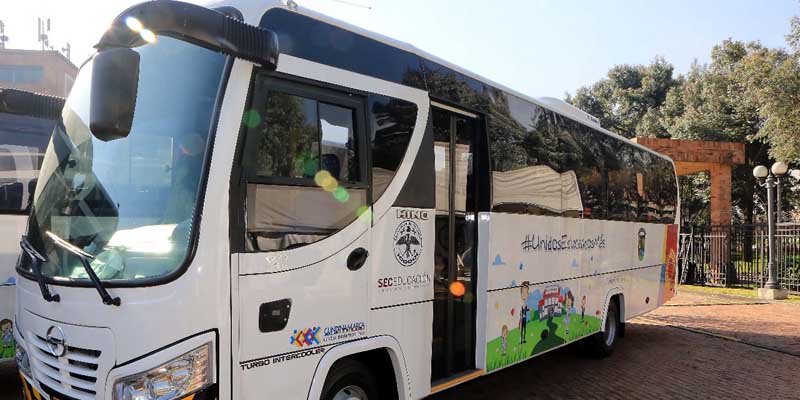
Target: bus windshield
point(129, 203)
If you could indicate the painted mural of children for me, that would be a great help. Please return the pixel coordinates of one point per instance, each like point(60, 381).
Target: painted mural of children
point(6, 339)
point(504, 336)
point(523, 311)
point(569, 301)
point(583, 307)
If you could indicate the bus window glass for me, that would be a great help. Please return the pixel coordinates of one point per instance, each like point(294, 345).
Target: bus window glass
point(302, 168)
point(581, 148)
point(528, 171)
point(338, 142)
point(23, 141)
point(289, 143)
point(285, 217)
point(392, 124)
point(623, 193)
point(647, 182)
point(669, 190)
point(130, 203)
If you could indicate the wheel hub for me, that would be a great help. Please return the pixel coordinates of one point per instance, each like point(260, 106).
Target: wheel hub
point(351, 392)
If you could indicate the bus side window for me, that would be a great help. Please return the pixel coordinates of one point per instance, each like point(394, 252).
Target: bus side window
point(393, 123)
point(302, 164)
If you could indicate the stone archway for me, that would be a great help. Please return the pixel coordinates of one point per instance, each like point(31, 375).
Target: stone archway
point(694, 156)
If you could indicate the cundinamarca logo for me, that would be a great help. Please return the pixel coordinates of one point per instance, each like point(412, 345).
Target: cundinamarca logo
point(305, 337)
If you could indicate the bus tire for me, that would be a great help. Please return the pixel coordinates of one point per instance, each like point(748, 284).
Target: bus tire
point(350, 379)
point(602, 343)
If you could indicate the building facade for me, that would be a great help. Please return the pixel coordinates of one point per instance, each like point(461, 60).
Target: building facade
point(46, 72)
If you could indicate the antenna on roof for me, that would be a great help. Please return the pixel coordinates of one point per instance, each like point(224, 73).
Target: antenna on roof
point(67, 50)
point(3, 37)
point(44, 34)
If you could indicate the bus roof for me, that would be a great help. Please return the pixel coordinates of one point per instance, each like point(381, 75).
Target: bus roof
point(254, 10)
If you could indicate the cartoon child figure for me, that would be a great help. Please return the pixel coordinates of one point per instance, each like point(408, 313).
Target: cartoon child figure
point(569, 301)
point(6, 339)
point(504, 336)
point(583, 307)
point(523, 311)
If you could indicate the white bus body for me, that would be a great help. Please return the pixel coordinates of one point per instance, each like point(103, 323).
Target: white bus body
point(25, 131)
point(370, 221)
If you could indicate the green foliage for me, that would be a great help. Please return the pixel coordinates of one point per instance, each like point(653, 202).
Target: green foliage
point(772, 79)
point(747, 93)
point(629, 99)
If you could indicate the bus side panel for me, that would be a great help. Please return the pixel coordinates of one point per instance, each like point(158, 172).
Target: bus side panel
point(11, 228)
point(669, 275)
point(401, 288)
point(322, 305)
point(550, 278)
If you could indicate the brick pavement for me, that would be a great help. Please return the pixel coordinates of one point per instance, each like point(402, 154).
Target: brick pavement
point(773, 325)
point(656, 360)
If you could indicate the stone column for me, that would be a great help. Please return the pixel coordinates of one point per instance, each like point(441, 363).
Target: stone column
point(721, 194)
point(721, 271)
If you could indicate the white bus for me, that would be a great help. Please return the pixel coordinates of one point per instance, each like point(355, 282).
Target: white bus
point(292, 207)
point(26, 121)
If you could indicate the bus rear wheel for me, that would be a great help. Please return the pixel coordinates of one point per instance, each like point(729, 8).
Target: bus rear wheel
point(602, 344)
point(350, 380)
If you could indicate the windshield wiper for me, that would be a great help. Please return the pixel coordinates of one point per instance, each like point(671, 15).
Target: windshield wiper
point(84, 257)
point(36, 262)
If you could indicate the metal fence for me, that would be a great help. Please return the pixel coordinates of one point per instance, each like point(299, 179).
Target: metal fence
point(736, 255)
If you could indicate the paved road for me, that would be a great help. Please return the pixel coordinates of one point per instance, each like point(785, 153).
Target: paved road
point(9, 381)
point(699, 346)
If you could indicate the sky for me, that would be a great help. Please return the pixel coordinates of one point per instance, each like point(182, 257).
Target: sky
point(537, 47)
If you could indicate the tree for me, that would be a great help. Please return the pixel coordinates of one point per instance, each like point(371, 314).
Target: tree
point(772, 80)
point(714, 104)
point(628, 100)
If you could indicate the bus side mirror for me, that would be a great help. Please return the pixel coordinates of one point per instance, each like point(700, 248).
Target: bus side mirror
point(115, 81)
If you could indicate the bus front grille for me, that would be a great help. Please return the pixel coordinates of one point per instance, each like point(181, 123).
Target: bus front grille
point(74, 374)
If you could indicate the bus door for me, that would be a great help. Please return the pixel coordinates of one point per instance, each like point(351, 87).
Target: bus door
point(455, 135)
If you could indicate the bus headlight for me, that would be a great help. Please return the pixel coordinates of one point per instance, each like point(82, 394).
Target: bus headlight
point(183, 375)
point(23, 363)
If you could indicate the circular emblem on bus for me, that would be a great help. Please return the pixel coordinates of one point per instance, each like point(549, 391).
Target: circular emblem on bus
point(407, 243)
point(56, 342)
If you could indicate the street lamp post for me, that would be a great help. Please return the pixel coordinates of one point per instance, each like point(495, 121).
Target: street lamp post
point(779, 169)
point(772, 288)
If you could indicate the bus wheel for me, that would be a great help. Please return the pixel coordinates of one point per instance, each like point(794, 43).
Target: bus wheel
point(601, 344)
point(350, 380)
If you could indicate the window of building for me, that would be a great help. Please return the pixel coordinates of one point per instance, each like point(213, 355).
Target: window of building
point(21, 73)
point(302, 163)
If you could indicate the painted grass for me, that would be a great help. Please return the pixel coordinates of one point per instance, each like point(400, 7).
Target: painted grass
point(740, 292)
point(534, 344)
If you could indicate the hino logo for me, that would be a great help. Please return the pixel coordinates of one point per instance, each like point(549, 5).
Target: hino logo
point(56, 342)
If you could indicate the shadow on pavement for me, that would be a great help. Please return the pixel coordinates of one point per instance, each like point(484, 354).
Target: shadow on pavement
point(9, 381)
point(651, 362)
